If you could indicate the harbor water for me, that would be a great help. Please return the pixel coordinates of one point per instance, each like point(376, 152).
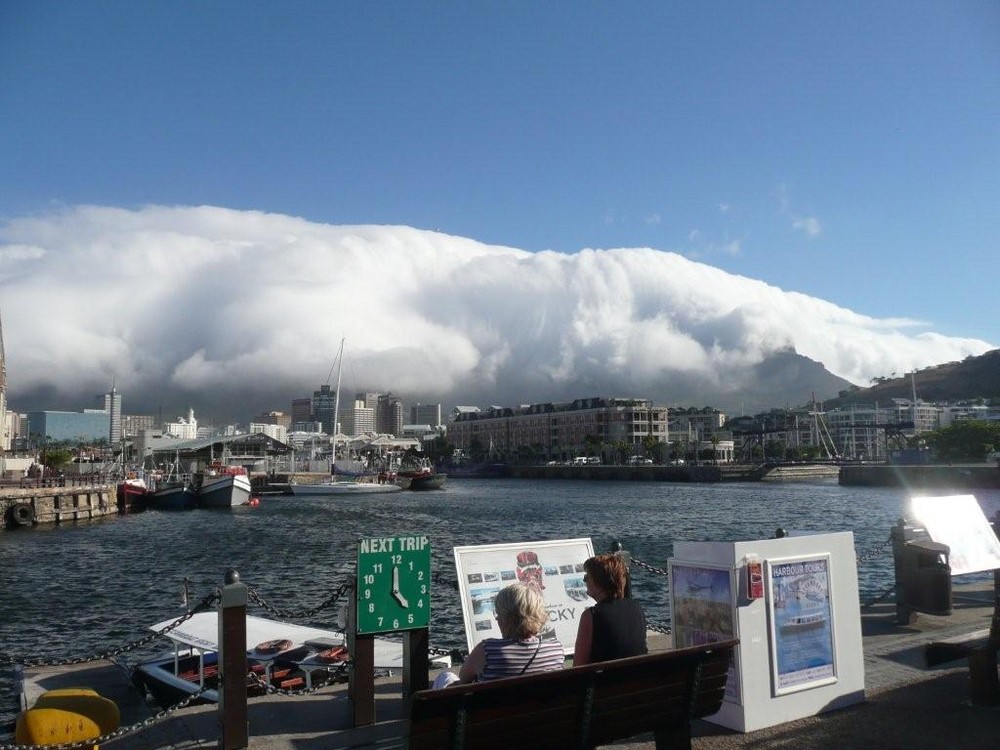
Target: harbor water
point(85, 589)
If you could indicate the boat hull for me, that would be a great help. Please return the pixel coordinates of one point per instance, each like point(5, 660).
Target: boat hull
point(343, 488)
point(181, 497)
point(433, 481)
point(224, 491)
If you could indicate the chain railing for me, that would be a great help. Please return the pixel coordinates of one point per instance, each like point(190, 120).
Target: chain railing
point(338, 675)
point(327, 603)
point(204, 604)
point(873, 553)
point(117, 733)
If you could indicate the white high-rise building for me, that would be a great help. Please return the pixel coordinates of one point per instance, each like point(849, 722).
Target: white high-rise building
point(113, 406)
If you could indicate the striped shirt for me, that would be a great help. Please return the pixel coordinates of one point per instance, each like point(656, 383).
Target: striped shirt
point(508, 658)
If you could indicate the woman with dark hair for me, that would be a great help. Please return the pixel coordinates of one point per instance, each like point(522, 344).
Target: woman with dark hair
point(616, 626)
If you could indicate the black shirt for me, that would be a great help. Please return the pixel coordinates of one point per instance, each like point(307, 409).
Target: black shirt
point(619, 630)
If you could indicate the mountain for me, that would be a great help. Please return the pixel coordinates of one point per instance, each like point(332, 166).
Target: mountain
point(972, 378)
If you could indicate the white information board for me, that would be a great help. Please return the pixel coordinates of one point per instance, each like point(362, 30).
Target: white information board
point(959, 522)
point(555, 567)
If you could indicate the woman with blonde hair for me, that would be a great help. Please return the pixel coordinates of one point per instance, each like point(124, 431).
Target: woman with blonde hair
point(616, 626)
point(521, 614)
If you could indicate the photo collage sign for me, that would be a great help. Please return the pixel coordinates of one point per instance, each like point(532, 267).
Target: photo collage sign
point(554, 567)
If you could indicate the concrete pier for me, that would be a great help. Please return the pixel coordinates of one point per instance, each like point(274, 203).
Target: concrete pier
point(24, 508)
point(909, 704)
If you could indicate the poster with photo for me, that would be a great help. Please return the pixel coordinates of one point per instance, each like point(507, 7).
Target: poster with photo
point(555, 567)
point(701, 601)
point(803, 653)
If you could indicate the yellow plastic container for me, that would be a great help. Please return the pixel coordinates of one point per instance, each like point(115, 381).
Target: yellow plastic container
point(53, 726)
point(67, 715)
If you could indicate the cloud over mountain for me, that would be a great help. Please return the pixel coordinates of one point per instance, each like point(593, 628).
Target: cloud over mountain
point(233, 312)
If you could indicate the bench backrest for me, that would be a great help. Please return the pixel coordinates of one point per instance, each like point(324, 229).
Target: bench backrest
point(576, 707)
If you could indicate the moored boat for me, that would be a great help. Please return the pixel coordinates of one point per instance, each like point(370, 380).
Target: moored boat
point(284, 655)
point(132, 495)
point(176, 494)
point(421, 476)
point(223, 486)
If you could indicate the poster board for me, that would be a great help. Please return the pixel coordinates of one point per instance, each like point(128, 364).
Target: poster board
point(555, 566)
point(800, 618)
point(959, 522)
point(702, 601)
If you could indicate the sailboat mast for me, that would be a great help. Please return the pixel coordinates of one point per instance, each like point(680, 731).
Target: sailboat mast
point(336, 408)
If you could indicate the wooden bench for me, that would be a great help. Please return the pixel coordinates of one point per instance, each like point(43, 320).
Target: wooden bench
point(579, 707)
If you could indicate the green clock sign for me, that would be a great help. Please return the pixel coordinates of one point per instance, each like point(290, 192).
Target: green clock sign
point(394, 583)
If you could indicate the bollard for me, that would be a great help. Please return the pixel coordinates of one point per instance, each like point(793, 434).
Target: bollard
point(361, 680)
point(233, 663)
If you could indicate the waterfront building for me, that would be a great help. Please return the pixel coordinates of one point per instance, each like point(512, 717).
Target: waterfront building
point(275, 418)
point(183, 429)
point(389, 414)
point(134, 424)
point(302, 410)
point(598, 426)
point(357, 419)
point(87, 426)
point(426, 414)
point(323, 406)
point(275, 431)
point(113, 406)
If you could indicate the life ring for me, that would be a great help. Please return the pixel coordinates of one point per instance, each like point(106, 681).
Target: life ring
point(273, 647)
point(332, 655)
point(22, 514)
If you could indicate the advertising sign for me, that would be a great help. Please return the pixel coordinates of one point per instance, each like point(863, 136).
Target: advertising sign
point(702, 610)
point(959, 522)
point(555, 567)
point(801, 623)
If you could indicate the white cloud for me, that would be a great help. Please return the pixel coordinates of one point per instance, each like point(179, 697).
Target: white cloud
point(808, 224)
point(239, 311)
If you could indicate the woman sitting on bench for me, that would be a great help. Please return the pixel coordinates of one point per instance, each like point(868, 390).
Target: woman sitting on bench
point(521, 614)
point(615, 627)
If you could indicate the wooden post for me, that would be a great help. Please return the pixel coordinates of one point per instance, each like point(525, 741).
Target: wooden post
point(233, 664)
point(361, 681)
point(416, 661)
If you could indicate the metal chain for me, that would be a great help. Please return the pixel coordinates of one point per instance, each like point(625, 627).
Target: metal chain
point(205, 603)
point(880, 597)
point(650, 568)
point(302, 614)
point(255, 680)
point(665, 629)
point(875, 552)
point(117, 733)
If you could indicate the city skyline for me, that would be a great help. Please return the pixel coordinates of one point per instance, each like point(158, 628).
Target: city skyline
point(492, 204)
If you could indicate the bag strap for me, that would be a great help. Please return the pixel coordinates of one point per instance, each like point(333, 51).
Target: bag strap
point(528, 663)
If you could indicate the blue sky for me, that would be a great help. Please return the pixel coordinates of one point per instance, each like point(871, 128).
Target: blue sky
point(849, 151)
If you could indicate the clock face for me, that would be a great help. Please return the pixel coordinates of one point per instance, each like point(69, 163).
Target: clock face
point(394, 583)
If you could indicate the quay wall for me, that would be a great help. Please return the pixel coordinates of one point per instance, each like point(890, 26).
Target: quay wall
point(934, 476)
point(23, 508)
point(699, 473)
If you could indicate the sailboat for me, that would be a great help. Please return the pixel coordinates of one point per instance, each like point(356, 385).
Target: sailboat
point(334, 486)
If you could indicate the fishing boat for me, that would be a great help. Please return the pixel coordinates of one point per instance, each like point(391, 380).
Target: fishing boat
point(284, 655)
point(361, 485)
point(132, 495)
point(222, 486)
point(420, 475)
point(174, 491)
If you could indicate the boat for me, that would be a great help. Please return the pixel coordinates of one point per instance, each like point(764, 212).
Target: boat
point(420, 476)
point(222, 486)
point(132, 495)
point(284, 655)
point(804, 622)
point(174, 491)
point(360, 485)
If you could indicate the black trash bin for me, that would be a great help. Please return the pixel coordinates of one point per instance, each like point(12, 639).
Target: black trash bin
point(926, 576)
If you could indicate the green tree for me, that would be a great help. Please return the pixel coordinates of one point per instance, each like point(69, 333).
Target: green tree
point(970, 440)
point(56, 458)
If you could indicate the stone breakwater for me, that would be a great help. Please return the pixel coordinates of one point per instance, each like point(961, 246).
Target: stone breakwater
point(21, 508)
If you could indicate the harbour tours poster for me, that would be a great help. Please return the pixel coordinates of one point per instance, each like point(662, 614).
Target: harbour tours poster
point(555, 567)
point(702, 610)
point(802, 646)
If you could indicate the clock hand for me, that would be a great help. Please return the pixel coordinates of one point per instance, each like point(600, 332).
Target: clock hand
point(396, 594)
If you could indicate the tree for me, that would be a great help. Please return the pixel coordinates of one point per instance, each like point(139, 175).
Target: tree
point(970, 440)
point(56, 458)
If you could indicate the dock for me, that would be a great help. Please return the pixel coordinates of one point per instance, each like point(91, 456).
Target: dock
point(908, 703)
